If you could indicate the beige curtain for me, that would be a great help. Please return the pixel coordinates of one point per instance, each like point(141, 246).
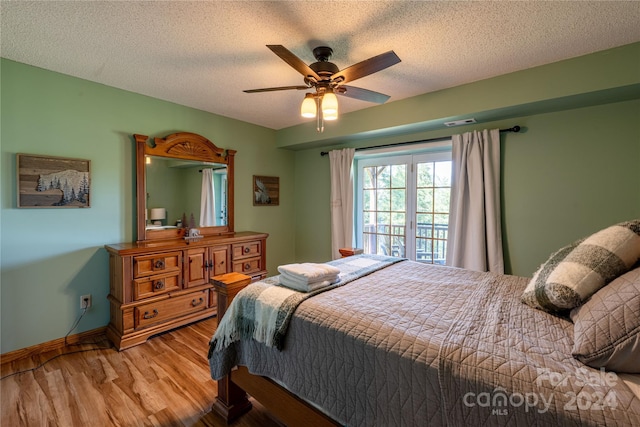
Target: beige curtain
point(475, 232)
point(207, 200)
point(341, 162)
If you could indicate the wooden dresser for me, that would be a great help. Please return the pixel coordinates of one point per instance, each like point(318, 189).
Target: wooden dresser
point(156, 286)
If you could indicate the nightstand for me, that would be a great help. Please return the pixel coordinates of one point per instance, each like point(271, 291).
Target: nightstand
point(345, 252)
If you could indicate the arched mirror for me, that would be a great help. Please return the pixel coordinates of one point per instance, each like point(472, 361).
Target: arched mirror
point(183, 180)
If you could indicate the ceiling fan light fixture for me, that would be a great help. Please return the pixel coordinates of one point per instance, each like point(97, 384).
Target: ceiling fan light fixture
point(325, 78)
point(330, 116)
point(330, 105)
point(308, 109)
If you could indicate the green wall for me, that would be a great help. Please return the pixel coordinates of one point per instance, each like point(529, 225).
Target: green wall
point(571, 174)
point(573, 170)
point(50, 257)
point(566, 175)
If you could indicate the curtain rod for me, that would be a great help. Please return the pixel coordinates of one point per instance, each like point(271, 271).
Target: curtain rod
point(512, 129)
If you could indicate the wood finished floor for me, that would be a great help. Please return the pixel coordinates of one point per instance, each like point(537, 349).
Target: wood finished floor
point(163, 382)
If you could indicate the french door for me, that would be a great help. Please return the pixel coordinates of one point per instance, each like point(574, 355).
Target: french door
point(402, 206)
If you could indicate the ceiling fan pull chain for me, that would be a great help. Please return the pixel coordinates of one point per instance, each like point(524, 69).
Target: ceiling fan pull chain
point(320, 123)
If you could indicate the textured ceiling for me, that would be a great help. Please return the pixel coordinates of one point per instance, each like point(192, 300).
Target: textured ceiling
point(203, 54)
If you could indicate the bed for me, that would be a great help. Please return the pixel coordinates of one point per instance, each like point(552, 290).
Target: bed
point(413, 344)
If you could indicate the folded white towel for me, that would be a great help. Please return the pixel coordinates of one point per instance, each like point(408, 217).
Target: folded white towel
point(304, 281)
point(304, 287)
point(308, 272)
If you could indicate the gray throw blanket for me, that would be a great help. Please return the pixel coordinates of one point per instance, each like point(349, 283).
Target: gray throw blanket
point(262, 310)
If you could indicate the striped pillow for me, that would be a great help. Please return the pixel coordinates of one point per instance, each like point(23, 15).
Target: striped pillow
point(574, 273)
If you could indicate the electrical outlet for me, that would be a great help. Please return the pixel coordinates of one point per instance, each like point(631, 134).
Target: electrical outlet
point(85, 301)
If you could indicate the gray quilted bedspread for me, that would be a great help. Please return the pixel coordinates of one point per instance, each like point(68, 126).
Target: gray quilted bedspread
point(421, 345)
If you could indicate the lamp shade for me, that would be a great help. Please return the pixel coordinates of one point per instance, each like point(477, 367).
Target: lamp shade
point(308, 108)
point(158, 213)
point(330, 105)
point(333, 115)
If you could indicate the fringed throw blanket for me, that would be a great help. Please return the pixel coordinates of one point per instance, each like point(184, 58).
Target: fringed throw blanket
point(263, 309)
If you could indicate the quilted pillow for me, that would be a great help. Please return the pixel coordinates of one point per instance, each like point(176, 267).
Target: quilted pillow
point(607, 327)
point(577, 271)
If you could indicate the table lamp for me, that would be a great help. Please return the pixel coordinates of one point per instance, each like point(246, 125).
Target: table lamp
point(157, 215)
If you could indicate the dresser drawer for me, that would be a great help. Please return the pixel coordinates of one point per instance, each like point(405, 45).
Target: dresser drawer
point(247, 266)
point(165, 262)
point(146, 287)
point(247, 250)
point(170, 308)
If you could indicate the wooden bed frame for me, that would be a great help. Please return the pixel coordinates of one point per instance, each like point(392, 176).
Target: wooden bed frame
point(232, 400)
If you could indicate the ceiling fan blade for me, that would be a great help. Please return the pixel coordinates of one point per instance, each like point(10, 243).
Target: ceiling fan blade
point(366, 67)
point(287, 56)
point(362, 94)
point(273, 89)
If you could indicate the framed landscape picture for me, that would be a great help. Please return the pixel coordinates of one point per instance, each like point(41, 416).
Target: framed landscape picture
point(266, 190)
point(52, 182)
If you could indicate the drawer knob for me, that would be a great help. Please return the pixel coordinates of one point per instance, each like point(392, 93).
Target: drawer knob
point(247, 250)
point(159, 264)
point(247, 266)
point(158, 285)
point(197, 302)
point(148, 315)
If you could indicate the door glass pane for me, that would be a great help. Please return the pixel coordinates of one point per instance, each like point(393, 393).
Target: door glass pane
point(398, 200)
point(425, 200)
point(442, 220)
point(384, 203)
point(367, 219)
point(398, 247)
point(368, 200)
point(425, 174)
point(384, 248)
point(367, 177)
point(443, 174)
point(398, 219)
point(441, 199)
point(398, 176)
point(383, 178)
point(383, 222)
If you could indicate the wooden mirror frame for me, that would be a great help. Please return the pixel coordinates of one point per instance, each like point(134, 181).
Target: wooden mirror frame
point(184, 146)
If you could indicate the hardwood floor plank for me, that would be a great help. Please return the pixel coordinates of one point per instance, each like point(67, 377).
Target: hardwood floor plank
point(164, 418)
point(186, 411)
point(119, 409)
point(141, 391)
point(31, 395)
point(91, 402)
point(144, 359)
point(163, 382)
point(55, 391)
point(11, 415)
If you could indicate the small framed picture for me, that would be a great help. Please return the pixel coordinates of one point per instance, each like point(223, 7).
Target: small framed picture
point(52, 182)
point(266, 190)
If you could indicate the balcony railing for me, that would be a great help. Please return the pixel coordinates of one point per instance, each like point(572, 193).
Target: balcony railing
point(431, 241)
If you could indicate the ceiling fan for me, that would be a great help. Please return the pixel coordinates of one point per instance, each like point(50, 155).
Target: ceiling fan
point(326, 79)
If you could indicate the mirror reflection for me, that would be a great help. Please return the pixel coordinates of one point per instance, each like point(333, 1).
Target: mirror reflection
point(176, 190)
